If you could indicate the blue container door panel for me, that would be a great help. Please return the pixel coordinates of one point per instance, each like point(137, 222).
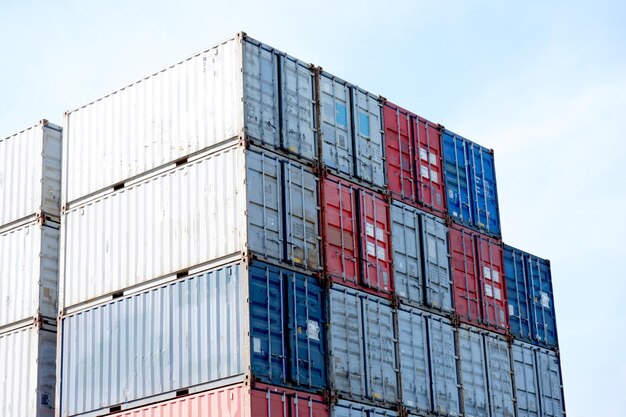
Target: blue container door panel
point(306, 331)
point(457, 173)
point(484, 192)
point(540, 282)
point(518, 294)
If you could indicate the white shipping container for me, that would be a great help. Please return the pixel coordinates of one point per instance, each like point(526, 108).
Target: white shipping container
point(30, 173)
point(29, 272)
point(27, 372)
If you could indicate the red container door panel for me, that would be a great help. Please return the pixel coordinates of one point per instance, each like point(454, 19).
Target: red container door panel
point(269, 401)
point(399, 153)
point(491, 271)
point(375, 248)
point(429, 162)
point(339, 230)
point(466, 284)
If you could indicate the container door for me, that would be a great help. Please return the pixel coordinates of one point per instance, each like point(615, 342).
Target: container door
point(347, 362)
point(407, 257)
point(374, 237)
point(463, 264)
point(499, 374)
point(518, 293)
point(265, 233)
point(414, 370)
point(493, 288)
point(486, 214)
point(337, 150)
point(399, 153)
point(345, 408)
point(550, 386)
point(261, 101)
point(526, 388)
point(301, 214)
point(542, 301)
point(298, 108)
point(429, 162)
point(380, 350)
point(457, 171)
point(368, 137)
point(444, 371)
point(474, 379)
point(437, 269)
point(340, 230)
point(307, 332)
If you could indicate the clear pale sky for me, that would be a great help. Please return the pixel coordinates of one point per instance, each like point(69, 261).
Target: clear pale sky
point(542, 83)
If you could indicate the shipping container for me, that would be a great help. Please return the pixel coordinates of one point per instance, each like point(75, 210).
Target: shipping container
point(530, 298)
point(414, 162)
point(29, 272)
point(499, 374)
point(236, 401)
point(240, 87)
point(538, 386)
point(351, 128)
point(471, 184)
point(355, 230)
point(421, 266)
point(345, 408)
point(27, 371)
point(30, 173)
point(184, 218)
point(428, 359)
point(478, 277)
point(362, 346)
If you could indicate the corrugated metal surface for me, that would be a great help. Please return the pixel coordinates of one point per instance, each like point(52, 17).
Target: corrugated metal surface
point(30, 172)
point(499, 375)
point(473, 374)
point(283, 211)
point(336, 124)
point(173, 113)
point(550, 383)
point(345, 408)
point(429, 162)
point(542, 301)
point(362, 344)
point(279, 100)
point(175, 336)
point(268, 401)
point(374, 235)
point(420, 257)
point(518, 294)
point(368, 137)
point(444, 366)
point(493, 289)
point(288, 327)
point(400, 152)
point(27, 372)
point(166, 223)
point(464, 276)
point(29, 272)
point(471, 183)
point(414, 359)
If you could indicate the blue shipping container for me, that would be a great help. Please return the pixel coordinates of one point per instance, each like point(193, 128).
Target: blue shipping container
point(530, 296)
point(287, 323)
point(471, 183)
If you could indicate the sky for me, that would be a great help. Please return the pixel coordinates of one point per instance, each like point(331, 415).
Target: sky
point(542, 83)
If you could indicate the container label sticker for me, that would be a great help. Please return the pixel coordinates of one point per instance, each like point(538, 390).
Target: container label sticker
point(486, 272)
point(433, 176)
point(488, 291)
point(380, 234)
point(369, 229)
point(495, 276)
point(424, 171)
point(423, 154)
point(371, 249)
point(511, 310)
point(545, 300)
point(432, 159)
point(313, 330)
point(497, 293)
point(256, 345)
point(380, 253)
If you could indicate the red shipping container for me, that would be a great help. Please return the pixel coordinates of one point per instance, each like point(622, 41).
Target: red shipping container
point(237, 401)
point(355, 236)
point(477, 274)
point(414, 159)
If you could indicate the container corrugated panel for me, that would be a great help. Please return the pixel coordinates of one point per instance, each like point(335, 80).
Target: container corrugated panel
point(429, 163)
point(464, 276)
point(279, 100)
point(363, 364)
point(336, 124)
point(27, 372)
point(420, 257)
point(288, 327)
point(173, 113)
point(283, 211)
point(400, 152)
point(345, 408)
point(30, 173)
point(29, 271)
point(368, 137)
point(518, 294)
point(166, 223)
point(444, 366)
point(493, 289)
point(550, 383)
point(471, 351)
point(183, 334)
point(499, 375)
point(270, 401)
point(542, 301)
point(471, 183)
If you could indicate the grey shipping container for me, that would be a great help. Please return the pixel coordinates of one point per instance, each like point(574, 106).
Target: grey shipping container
point(29, 272)
point(421, 267)
point(538, 386)
point(345, 408)
point(27, 371)
point(428, 371)
point(362, 346)
point(224, 203)
point(30, 173)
